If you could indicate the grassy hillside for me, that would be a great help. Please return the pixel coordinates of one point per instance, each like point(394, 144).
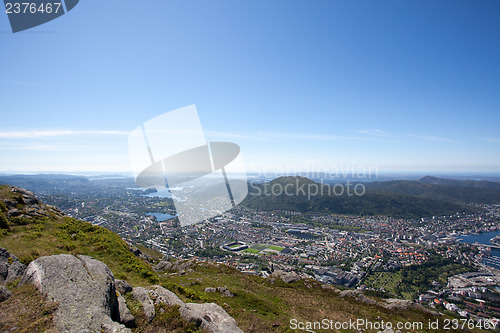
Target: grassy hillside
point(30, 238)
point(323, 198)
point(265, 305)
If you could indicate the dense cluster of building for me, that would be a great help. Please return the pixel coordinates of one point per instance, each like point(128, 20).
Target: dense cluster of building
point(331, 248)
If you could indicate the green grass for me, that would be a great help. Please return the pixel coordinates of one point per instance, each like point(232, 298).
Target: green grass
point(259, 305)
point(30, 238)
point(27, 311)
point(259, 247)
point(387, 281)
point(250, 250)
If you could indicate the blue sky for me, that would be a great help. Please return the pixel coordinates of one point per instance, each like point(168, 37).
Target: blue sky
point(411, 86)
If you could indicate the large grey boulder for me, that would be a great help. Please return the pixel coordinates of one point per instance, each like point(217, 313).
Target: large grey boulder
point(161, 295)
point(84, 289)
point(358, 296)
point(215, 315)
point(395, 304)
point(224, 291)
point(10, 267)
point(163, 265)
point(209, 317)
point(165, 296)
point(287, 277)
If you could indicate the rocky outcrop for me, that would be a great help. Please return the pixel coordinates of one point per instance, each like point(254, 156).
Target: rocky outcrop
point(27, 197)
point(4, 293)
point(26, 204)
point(163, 266)
point(179, 266)
point(122, 286)
point(84, 289)
point(10, 267)
point(165, 296)
point(214, 314)
point(209, 317)
point(287, 277)
point(403, 305)
point(142, 296)
point(223, 290)
point(330, 287)
point(162, 295)
point(90, 299)
point(358, 296)
point(392, 304)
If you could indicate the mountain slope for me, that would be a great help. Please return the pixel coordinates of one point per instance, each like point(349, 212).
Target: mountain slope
point(484, 184)
point(31, 229)
point(457, 191)
point(305, 195)
point(31, 222)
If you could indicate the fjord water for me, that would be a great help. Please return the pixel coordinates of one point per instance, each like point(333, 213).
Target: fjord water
point(160, 217)
point(484, 238)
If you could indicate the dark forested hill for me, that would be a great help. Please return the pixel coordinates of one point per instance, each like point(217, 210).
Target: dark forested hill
point(482, 184)
point(451, 190)
point(303, 194)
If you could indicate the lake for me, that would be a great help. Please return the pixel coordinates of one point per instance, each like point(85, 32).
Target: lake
point(160, 217)
point(160, 193)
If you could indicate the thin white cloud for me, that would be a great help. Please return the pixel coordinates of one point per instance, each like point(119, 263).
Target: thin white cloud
point(272, 136)
point(431, 138)
point(30, 134)
point(35, 146)
point(302, 136)
point(216, 134)
point(374, 132)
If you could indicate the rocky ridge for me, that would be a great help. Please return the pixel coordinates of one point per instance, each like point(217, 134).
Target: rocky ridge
point(90, 299)
point(24, 204)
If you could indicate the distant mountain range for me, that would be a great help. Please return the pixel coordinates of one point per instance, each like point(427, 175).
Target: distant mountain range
point(461, 183)
point(428, 196)
point(450, 190)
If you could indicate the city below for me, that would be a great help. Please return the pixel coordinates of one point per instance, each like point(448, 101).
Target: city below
point(425, 259)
